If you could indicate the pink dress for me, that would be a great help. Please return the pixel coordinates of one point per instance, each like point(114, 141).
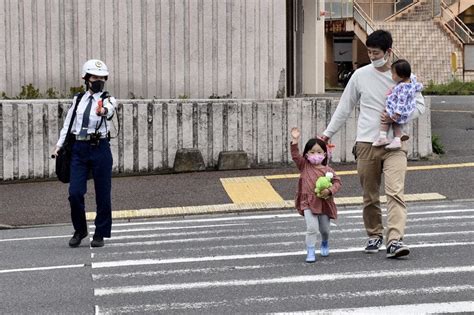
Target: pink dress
point(306, 197)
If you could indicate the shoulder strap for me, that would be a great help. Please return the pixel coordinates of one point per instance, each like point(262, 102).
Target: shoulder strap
point(78, 100)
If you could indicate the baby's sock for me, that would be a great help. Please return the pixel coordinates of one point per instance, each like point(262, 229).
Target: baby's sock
point(383, 134)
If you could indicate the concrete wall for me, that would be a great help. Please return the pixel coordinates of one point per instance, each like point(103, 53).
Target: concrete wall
point(154, 49)
point(153, 130)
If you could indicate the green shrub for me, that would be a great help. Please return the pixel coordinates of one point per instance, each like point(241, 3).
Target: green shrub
point(454, 87)
point(437, 145)
point(29, 92)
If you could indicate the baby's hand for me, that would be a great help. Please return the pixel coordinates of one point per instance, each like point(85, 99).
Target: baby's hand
point(295, 133)
point(395, 117)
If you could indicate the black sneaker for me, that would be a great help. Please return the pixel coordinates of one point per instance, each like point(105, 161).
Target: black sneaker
point(97, 241)
point(373, 245)
point(397, 249)
point(77, 238)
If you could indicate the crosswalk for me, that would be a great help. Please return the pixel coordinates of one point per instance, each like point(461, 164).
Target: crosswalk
point(254, 263)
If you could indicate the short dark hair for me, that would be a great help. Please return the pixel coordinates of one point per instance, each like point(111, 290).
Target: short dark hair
point(379, 39)
point(402, 68)
point(310, 144)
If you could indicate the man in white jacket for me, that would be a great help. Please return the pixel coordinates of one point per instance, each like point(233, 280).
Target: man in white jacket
point(368, 87)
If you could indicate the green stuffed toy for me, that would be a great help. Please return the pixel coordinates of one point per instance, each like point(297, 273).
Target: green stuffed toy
point(323, 182)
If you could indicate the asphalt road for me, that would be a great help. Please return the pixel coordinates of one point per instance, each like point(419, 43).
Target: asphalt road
point(33, 203)
point(248, 263)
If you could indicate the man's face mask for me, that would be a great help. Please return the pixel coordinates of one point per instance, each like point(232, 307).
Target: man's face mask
point(96, 86)
point(380, 62)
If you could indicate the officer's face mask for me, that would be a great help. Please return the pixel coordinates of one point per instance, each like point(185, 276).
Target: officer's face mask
point(96, 86)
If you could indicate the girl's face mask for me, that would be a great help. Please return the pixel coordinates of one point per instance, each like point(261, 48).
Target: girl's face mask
point(316, 158)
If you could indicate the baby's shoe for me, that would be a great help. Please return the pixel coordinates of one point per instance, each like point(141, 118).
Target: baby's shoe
point(324, 248)
point(310, 257)
point(380, 142)
point(394, 145)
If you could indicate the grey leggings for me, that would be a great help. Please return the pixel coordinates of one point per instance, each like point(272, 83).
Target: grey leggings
point(313, 221)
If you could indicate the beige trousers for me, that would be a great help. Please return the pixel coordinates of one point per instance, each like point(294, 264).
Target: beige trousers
point(372, 162)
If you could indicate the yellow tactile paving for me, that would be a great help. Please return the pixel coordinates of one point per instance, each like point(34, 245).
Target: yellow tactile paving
point(250, 189)
point(237, 207)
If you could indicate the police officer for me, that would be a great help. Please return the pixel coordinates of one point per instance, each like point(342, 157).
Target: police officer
point(90, 153)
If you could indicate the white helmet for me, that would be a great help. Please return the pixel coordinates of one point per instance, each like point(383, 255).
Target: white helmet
point(95, 67)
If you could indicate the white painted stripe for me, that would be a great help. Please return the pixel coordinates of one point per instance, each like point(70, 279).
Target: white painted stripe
point(411, 309)
point(282, 280)
point(254, 300)
point(271, 216)
point(246, 246)
point(246, 237)
point(34, 238)
point(141, 262)
point(182, 271)
point(42, 268)
point(206, 232)
point(249, 217)
point(226, 218)
point(186, 227)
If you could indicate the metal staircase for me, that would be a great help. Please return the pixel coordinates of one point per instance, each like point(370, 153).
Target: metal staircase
point(426, 32)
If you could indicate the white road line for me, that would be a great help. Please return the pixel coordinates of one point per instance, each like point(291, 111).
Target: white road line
point(436, 218)
point(142, 262)
point(261, 217)
point(182, 271)
point(247, 237)
point(259, 299)
point(34, 238)
point(42, 268)
point(281, 280)
point(411, 309)
point(186, 227)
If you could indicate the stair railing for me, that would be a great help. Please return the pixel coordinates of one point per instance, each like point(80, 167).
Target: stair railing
point(368, 25)
point(455, 24)
point(401, 6)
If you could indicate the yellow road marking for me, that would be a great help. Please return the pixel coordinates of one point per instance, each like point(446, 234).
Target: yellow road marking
point(234, 207)
point(250, 189)
point(410, 168)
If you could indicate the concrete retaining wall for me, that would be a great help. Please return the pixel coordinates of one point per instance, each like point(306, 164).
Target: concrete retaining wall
point(153, 130)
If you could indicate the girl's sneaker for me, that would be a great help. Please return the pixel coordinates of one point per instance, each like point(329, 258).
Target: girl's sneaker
point(310, 257)
point(380, 142)
point(324, 248)
point(394, 145)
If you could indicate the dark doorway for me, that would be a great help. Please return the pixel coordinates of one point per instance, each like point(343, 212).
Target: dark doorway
point(294, 47)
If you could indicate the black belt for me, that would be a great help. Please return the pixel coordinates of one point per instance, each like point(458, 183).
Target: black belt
point(86, 138)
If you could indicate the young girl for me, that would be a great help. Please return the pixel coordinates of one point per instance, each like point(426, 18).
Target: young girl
point(317, 211)
point(399, 105)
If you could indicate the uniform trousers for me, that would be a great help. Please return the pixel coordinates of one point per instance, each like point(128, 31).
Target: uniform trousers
point(372, 162)
point(97, 158)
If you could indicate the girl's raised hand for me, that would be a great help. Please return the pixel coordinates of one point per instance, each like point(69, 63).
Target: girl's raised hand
point(295, 133)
